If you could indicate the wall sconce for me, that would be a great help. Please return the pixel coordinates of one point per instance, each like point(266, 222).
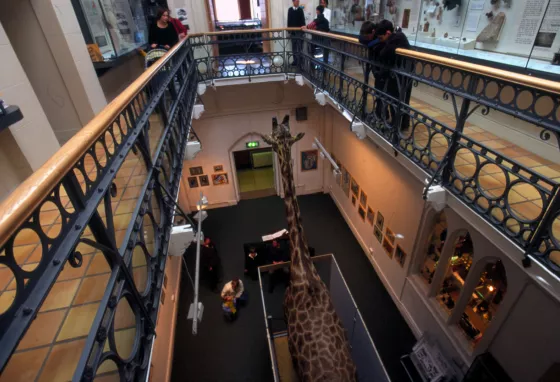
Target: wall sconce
point(359, 129)
point(437, 196)
point(198, 110)
point(299, 80)
point(320, 98)
point(201, 88)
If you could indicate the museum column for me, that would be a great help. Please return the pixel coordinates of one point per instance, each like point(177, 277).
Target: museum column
point(64, 37)
point(33, 134)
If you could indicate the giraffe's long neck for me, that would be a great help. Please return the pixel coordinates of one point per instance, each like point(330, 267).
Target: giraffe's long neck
point(301, 268)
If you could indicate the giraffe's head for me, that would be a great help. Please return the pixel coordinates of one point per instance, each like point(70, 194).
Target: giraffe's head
point(281, 132)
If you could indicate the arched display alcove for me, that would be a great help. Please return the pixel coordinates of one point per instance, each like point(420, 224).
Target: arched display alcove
point(432, 253)
point(484, 300)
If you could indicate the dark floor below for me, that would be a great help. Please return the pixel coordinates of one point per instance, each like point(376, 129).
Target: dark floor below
point(238, 351)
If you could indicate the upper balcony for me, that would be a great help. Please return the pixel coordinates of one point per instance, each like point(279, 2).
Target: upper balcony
point(84, 240)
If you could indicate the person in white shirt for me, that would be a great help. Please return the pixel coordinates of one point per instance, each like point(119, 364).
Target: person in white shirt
point(233, 290)
point(327, 11)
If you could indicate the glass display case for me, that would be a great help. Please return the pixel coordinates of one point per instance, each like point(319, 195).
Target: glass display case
point(112, 28)
point(456, 273)
point(522, 34)
point(484, 302)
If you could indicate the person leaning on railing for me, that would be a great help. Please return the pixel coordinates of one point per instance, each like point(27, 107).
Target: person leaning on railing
point(386, 54)
point(369, 39)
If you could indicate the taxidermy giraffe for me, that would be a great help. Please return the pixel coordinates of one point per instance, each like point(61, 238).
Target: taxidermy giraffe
point(316, 337)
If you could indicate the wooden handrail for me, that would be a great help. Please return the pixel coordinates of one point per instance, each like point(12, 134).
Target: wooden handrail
point(21, 203)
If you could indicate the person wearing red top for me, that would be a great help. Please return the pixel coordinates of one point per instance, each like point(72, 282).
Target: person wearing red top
point(178, 25)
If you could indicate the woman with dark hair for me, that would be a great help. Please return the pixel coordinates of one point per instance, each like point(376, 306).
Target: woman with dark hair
point(162, 32)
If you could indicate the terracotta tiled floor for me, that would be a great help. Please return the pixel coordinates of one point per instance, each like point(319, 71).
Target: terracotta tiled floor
point(52, 346)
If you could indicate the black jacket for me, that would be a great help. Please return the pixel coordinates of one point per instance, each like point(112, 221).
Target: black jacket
point(321, 23)
point(387, 54)
point(296, 18)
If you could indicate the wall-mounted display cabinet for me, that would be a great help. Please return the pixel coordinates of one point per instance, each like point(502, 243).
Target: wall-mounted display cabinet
point(112, 28)
point(522, 34)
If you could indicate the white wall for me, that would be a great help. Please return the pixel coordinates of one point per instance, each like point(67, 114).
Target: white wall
point(232, 114)
point(33, 134)
point(196, 13)
point(527, 344)
point(390, 188)
point(65, 39)
point(46, 80)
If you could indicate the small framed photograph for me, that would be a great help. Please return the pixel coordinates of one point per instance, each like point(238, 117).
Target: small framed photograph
point(218, 168)
point(380, 220)
point(370, 215)
point(390, 236)
point(196, 171)
point(203, 179)
point(309, 160)
point(363, 199)
point(388, 247)
point(400, 255)
point(220, 179)
point(353, 200)
point(193, 181)
point(355, 187)
point(378, 234)
point(362, 213)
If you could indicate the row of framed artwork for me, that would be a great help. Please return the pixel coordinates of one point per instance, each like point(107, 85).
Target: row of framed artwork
point(198, 179)
point(351, 188)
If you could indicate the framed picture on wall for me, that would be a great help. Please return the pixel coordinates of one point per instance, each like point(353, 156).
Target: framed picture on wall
point(355, 187)
point(388, 247)
point(193, 181)
point(345, 181)
point(218, 168)
point(362, 213)
point(309, 160)
point(378, 234)
point(380, 220)
point(196, 171)
point(370, 215)
point(390, 236)
point(220, 179)
point(204, 180)
point(363, 199)
point(400, 255)
point(353, 200)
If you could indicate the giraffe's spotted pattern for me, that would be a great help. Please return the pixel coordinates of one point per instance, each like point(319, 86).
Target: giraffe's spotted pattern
point(317, 339)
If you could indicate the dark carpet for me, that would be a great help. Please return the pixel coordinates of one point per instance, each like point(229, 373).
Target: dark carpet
point(238, 351)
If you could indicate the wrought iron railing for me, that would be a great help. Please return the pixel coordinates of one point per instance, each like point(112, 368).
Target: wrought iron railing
point(448, 155)
point(107, 197)
point(128, 159)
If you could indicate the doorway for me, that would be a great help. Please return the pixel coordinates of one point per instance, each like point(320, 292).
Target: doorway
point(255, 173)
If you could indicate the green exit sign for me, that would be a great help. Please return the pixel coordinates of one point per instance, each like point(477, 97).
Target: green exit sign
point(252, 144)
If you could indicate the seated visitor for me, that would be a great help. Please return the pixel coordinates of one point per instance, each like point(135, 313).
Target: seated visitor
point(252, 262)
point(277, 256)
point(162, 32)
point(234, 291)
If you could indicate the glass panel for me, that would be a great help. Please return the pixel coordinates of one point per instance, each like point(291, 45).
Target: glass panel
point(546, 48)
point(94, 17)
point(484, 302)
point(347, 16)
point(435, 245)
point(457, 271)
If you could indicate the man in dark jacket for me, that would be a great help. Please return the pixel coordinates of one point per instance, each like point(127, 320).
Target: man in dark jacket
point(369, 39)
point(296, 19)
point(320, 24)
point(386, 54)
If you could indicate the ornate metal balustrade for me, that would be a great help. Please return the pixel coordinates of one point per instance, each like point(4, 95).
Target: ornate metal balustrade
point(106, 199)
point(450, 157)
point(128, 159)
